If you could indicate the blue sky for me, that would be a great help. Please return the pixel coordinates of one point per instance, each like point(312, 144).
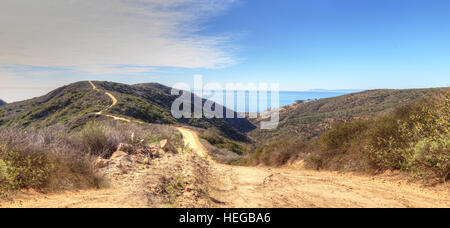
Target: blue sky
point(301, 44)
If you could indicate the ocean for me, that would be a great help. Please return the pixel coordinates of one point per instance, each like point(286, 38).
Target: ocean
point(242, 99)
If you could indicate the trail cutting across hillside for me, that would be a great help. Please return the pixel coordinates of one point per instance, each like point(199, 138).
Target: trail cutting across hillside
point(286, 187)
point(114, 102)
point(191, 141)
point(237, 186)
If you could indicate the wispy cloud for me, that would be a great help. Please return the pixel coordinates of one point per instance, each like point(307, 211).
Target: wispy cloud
point(111, 36)
point(20, 82)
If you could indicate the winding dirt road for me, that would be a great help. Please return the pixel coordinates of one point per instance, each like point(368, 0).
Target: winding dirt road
point(191, 141)
point(263, 187)
point(114, 102)
point(287, 188)
point(238, 186)
point(251, 187)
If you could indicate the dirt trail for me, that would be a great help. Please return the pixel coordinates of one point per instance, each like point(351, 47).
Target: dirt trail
point(265, 187)
point(287, 187)
point(191, 141)
point(114, 102)
point(106, 198)
point(127, 193)
point(256, 187)
point(253, 187)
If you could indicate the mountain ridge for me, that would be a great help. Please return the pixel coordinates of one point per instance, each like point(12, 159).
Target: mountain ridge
point(310, 119)
point(77, 103)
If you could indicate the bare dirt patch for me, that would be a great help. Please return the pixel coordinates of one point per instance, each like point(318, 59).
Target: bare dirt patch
point(192, 180)
point(289, 188)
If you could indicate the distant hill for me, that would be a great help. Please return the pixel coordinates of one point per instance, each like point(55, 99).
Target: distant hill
point(72, 105)
point(139, 100)
point(2, 102)
point(336, 90)
point(310, 119)
point(75, 104)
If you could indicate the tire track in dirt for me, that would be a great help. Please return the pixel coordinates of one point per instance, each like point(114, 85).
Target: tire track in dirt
point(250, 187)
point(261, 187)
point(287, 188)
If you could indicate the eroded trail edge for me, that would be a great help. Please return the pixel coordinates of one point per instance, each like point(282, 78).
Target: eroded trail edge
point(191, 141)
point(250, 187)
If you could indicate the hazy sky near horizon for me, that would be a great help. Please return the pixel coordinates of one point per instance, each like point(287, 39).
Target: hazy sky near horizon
point(300, 44)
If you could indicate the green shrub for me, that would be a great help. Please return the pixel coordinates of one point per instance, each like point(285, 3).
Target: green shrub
point(419, 141)
point(94, 139)
point(341, 135)
point(430, 158)
point(223, 143)
point(22, 166)
point(428, 153)
point(279, 153)
point(54, 158)
point(141, 109)
point(102, 138)
point(22, 169)
point(383, 140)
point(414, 138)
point(43, 160)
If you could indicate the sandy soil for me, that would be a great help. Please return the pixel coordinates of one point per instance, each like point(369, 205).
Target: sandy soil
point(287, 188)
point(106, 198)
point(191, 141)
point(131, 185)
point(237, 186)
point(257, 187)
point(128, 192)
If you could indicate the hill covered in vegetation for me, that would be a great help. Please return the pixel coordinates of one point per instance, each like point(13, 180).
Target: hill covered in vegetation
point(372, 131)
point(76, 104)
point(310, 119)
point(71, 105)
point(52, 142)
point(152, 102)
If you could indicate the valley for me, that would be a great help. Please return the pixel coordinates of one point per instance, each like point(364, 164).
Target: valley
point(191, 177)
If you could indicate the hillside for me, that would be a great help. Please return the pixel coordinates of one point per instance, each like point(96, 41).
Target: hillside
point(309, 120)
point(187, 180)
point(71, 105)
point(372, 131)
point(158, 95)
point(76, 104)
point(2, 102)
point(138, 169)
